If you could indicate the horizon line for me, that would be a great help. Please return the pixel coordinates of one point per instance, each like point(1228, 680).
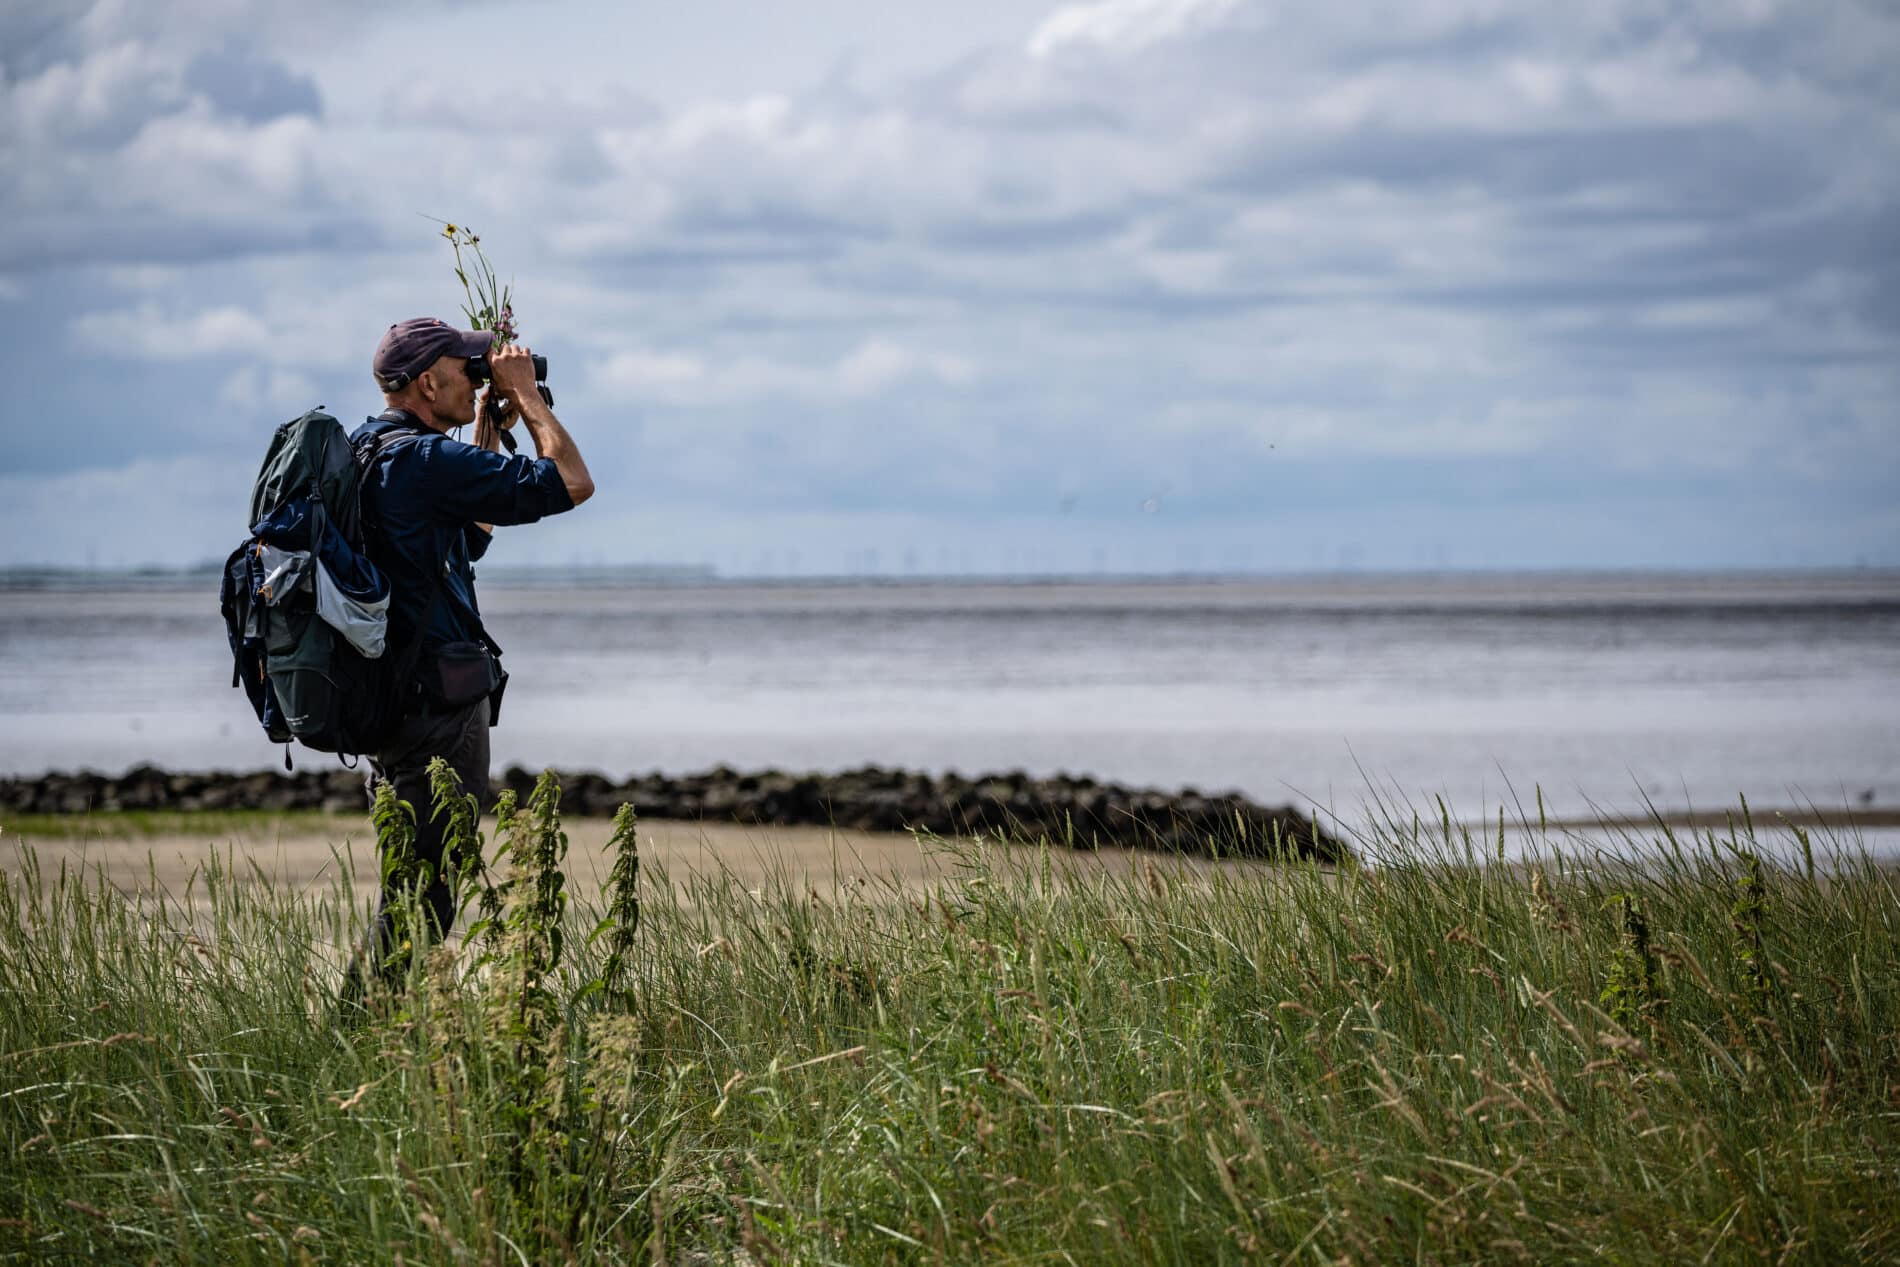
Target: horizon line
point(23, 576)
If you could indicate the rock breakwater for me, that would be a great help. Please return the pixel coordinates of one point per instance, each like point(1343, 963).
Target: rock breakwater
point(1074, 811)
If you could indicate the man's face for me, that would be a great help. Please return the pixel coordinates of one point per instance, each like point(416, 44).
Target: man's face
point(453, 399)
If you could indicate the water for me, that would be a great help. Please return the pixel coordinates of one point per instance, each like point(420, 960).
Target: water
point(1603, 690)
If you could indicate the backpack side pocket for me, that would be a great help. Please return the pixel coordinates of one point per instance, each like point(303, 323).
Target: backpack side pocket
point(298, 649)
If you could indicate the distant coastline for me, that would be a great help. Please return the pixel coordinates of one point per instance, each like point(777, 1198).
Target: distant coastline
point(67, 579)
point(1765, 584)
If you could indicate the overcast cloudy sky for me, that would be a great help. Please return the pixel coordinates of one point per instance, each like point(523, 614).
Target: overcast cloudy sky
point(991, 286)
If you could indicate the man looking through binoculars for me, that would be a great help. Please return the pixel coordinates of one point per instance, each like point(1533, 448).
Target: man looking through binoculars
point(429, 504)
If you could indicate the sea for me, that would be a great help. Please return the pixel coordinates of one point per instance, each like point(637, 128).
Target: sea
point(1603, 694)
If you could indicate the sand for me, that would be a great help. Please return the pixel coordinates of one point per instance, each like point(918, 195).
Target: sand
point(311, 858)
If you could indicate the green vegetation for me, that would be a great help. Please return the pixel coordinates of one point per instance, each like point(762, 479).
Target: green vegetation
point(1414, 1058)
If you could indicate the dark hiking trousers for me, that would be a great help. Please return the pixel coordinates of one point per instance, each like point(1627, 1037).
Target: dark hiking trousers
point(460, 738)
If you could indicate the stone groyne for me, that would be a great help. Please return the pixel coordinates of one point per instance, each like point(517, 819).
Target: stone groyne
point(1066, 810)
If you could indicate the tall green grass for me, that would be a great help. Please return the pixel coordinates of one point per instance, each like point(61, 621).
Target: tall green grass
point(1416, 1057)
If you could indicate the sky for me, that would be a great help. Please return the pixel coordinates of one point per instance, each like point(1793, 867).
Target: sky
point(995, 287)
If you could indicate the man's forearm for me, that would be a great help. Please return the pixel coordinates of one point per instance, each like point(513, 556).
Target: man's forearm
point(552, 442)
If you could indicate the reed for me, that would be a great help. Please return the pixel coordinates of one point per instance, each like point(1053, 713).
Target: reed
point(1678, 1052)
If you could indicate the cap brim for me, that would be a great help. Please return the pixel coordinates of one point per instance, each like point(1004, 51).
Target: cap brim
point(473, 342)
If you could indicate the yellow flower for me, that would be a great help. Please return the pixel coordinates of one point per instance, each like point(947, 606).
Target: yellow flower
point(448, 231)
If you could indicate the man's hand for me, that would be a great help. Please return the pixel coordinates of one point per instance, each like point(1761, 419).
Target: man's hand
point(513, 368)
point(494, 414)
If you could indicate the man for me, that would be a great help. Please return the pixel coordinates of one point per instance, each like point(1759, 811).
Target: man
point(430, 504)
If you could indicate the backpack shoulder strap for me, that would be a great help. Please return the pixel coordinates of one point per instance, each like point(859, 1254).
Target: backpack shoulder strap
point(377, 445)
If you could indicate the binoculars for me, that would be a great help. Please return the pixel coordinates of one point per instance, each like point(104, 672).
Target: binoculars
point(479, 370)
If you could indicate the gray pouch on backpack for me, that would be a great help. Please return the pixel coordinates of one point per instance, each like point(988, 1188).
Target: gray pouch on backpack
point(364, 624)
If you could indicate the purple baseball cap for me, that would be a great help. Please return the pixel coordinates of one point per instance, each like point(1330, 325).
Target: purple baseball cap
point(412, 346)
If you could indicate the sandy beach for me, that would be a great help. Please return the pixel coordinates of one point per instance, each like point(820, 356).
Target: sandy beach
point(309, 853)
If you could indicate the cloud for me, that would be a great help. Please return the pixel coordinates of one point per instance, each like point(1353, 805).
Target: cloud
point(149, 332)
point(247, 87)
point(1124, 25)
point(145, 278)
point(170, 511)
point(98, 102)
point(878, 364)
point(544, 109)
point(278, 327)
point(273, 162)
point(873, 367)
point(1181, 241)
point(641, 373)
point(255, 389)
point(126, 141)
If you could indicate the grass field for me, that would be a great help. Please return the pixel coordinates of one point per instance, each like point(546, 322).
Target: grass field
point(1418, 1057)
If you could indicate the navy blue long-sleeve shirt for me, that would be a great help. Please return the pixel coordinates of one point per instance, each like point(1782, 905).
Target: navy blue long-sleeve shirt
point(422, 507)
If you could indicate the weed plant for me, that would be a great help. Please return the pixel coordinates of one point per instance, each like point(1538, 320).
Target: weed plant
point(1418, 1056)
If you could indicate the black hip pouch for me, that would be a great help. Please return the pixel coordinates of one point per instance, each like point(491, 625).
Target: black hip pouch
point(459, 673)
